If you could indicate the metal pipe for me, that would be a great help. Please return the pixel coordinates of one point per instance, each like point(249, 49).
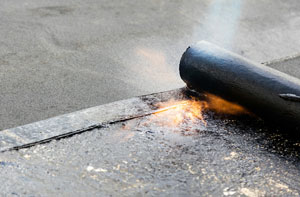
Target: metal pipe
point(267, 92)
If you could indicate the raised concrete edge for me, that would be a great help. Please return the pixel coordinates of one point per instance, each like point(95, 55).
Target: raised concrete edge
point(80, 121)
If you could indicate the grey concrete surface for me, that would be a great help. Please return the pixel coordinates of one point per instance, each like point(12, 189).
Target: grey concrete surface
point(61, 56)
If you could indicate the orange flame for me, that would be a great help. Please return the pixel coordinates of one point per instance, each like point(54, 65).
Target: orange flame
point(221, 106)
point(173, 113)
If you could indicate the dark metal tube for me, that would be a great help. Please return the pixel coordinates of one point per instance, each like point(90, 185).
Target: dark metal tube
point(269, 93)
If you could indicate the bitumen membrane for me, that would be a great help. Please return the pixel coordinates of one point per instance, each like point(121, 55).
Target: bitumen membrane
point(148, 156)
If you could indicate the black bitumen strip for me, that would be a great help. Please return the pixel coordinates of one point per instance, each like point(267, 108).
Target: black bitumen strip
point(82, 121)
point(86, 129)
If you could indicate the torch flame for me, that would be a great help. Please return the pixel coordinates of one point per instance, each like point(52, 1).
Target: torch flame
point(176, 112)
point(173, 113)
point(222, 106)
point(180, 116)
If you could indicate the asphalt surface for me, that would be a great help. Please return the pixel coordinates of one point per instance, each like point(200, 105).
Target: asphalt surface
point(61, 56)
point(150, 156)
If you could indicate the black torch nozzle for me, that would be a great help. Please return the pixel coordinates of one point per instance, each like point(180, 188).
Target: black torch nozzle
point(268, 93)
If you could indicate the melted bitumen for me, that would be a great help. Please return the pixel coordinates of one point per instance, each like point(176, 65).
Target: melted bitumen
point(230, 156)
